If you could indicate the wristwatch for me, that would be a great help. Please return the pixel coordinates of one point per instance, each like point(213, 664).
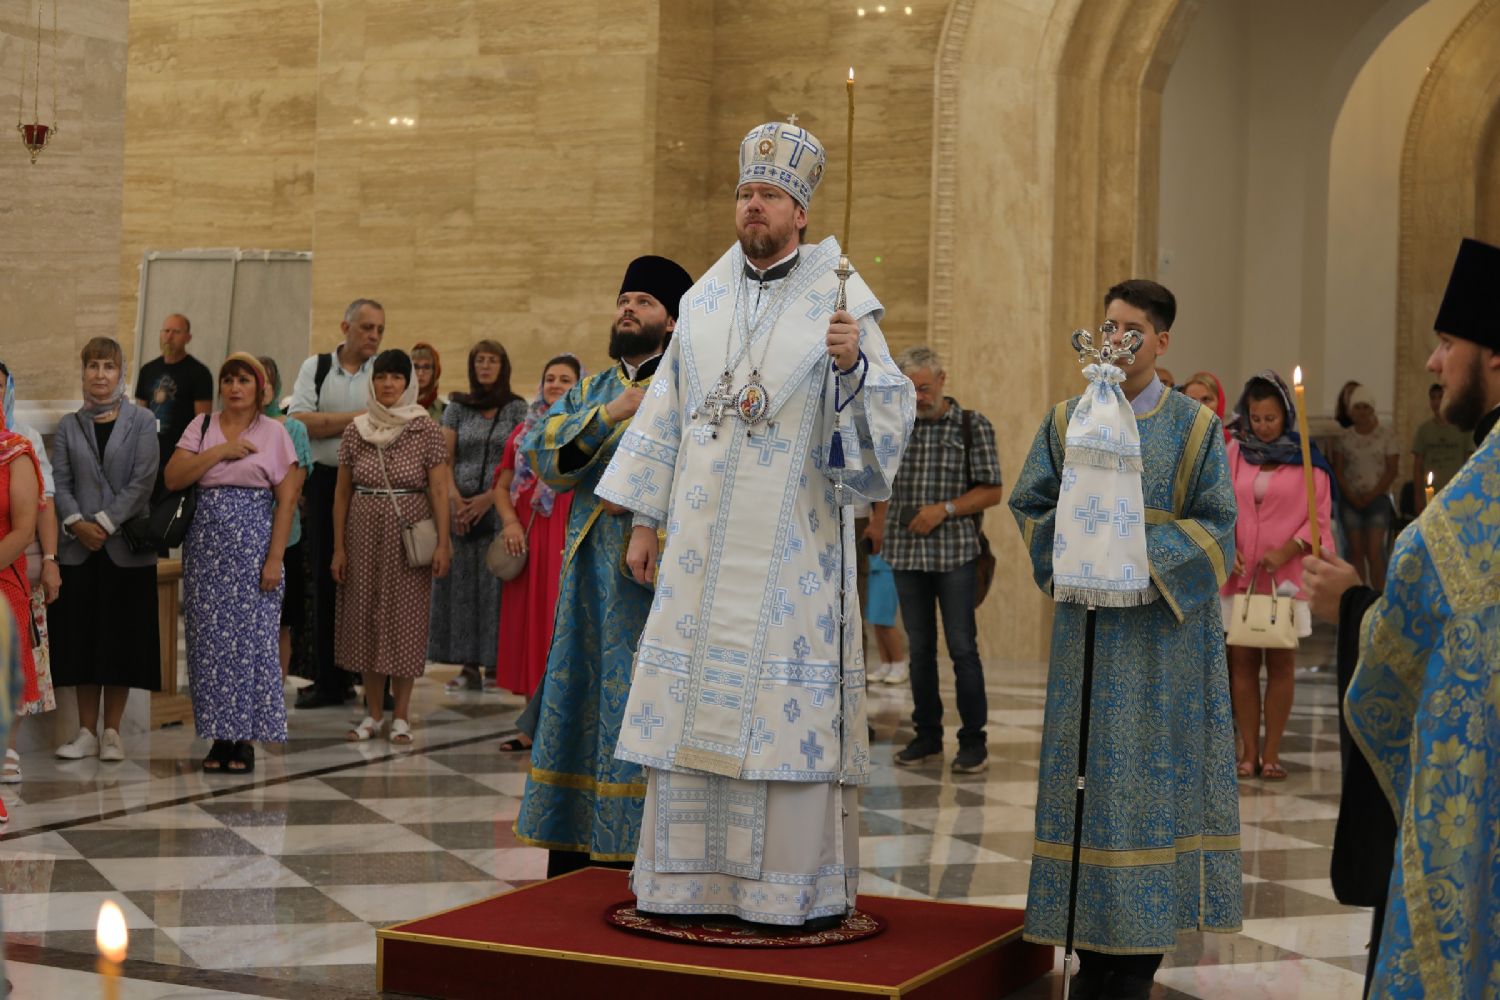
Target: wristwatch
point(46, 556)
point(949, 509)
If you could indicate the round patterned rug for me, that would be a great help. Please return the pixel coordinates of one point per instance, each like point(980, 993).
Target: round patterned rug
point(717, 930)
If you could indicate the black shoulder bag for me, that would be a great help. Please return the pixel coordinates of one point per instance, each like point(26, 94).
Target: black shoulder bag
point(166, 525)
point(984, 568)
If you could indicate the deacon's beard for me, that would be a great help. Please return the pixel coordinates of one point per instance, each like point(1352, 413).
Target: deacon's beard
point(1464, 405)
point(639, 343)
point(767, 243)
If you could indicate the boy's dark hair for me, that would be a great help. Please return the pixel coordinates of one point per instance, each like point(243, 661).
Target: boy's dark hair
point(1159, 304)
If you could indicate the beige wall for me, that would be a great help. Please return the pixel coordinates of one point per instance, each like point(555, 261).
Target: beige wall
point(60, 218)
point(537, 149)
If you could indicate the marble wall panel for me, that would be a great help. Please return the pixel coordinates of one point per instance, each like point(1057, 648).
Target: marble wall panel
point(60, 217)
point(219, 136)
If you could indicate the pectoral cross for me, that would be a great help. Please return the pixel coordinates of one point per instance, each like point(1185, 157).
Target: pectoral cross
point(718, 400)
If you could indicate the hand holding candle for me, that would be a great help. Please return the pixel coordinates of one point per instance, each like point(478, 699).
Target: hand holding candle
point(112, 939)
point(1307, 466)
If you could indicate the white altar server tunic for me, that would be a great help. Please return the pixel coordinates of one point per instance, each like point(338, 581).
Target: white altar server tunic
point(743, 705)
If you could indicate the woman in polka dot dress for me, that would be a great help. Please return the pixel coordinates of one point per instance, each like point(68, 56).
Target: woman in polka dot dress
point(383, 603)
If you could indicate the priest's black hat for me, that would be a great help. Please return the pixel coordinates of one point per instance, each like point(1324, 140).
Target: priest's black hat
point(1469, 307)
point(662, 279)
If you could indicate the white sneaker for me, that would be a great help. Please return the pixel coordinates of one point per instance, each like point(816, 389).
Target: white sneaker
point(877, 674)
point(85, 744)
point(110, 746)
point(898, 673)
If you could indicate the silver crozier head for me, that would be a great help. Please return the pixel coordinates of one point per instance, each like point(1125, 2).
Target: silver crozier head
point(1111, 346)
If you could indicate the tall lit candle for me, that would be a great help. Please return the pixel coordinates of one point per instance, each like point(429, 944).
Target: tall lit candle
point(1307, 466)
point(1428, 491)
point(112, 939)
point(849, 163)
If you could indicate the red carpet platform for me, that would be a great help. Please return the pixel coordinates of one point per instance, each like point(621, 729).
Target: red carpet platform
point(551, 940)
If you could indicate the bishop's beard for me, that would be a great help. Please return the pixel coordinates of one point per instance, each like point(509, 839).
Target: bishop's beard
point(647, 340)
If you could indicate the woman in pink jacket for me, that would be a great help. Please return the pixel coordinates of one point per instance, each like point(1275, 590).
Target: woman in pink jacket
point(1271, 535)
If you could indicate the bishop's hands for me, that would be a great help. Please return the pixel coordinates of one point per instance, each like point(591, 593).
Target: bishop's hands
point(623, 406)
point(1325, 580)
point(641, 554)
point(843, 339)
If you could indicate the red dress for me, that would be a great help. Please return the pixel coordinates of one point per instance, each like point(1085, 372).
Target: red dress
point(528, 602)
point(16, 589)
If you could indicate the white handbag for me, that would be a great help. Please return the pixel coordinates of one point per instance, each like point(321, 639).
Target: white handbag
point(1262, 621)
point(419, 539)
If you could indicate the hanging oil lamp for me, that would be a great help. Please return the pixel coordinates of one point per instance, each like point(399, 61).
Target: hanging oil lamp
point(35, 134)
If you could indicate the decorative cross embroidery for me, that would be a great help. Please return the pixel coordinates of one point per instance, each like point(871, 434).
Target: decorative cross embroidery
point(793, 547)
point(641, 480)
point(647, 722)
point(697, 497)
point(812, 520)
point(688, 626)
point(792, 710)
point(1069, 477)
point(810, 583)
point(770, 444)
point(1092, 516)
point(1125, 518)
point(666, 425)
point(887, 392)
point(781, 608)
point(819, 696)
point(758, 897)
point(801, 647)
point(825, 622)
point(708, 299)
point(822, 303)
point(691, 561)
point(828, 560)
point(718, 467)
point(703, 433)
point(678, 690)
point(1059, 546)
point(695, 889)
point(811, 750)
point(885, 448)
point(800, 144)
point(760, 735)
point(662, 594)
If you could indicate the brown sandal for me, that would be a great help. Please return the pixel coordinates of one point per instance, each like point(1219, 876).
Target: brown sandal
point(1245, 769)
point(1272, 771)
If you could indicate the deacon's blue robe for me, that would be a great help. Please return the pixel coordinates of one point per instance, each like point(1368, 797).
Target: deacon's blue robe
point(579, 797)
point(1161, 845)
point(1424, 707)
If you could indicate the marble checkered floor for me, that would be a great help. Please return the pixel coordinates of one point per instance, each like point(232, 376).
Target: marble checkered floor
point(271, 885)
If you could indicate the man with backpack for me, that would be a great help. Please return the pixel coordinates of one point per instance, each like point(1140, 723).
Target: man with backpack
point(932, 538)
point(330, 392)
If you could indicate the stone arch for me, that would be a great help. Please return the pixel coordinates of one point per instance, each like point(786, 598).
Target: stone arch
point(1044, 185)
point(1447, 159)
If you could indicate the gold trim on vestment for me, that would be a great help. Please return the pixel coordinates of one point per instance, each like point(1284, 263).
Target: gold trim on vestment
point(1189, 458)
point(1166, 595)
point(1436, 975)
point(1201, 537)
point(1104, 858)
point(1160, 402)
point(558, 845)
point(1060, 425)
point(1155, 515)
point(584, 783)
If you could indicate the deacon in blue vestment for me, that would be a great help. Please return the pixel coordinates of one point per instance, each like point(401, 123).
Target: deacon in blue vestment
point(1160, 845)
point(581, 803)
point(1424, 704)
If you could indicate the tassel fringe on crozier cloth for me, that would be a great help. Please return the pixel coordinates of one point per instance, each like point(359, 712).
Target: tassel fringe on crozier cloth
point(1099, 547)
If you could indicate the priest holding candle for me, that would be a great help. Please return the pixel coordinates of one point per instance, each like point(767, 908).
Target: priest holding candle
point(747, 703)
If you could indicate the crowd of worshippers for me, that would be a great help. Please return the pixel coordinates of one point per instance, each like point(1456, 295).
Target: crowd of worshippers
point(277, 470)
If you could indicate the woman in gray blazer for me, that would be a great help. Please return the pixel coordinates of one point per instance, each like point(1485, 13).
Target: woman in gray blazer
point(104, 631)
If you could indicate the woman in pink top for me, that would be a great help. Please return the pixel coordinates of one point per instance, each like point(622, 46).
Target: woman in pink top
point(1271, 535)
point(232, 574)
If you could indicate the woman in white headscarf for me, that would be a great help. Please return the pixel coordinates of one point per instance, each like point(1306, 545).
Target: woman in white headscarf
point(393, 470)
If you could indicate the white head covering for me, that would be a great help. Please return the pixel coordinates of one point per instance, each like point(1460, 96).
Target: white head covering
point(381, 425)
point(785, 155)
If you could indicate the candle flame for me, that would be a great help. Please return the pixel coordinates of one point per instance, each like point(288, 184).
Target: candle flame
point(851, 74)
point(1429, 478)
point(110, 935)
point(1297, 375)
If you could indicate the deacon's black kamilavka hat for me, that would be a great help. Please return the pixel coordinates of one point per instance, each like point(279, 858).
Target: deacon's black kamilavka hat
point(1469, 310)
point(662, 279)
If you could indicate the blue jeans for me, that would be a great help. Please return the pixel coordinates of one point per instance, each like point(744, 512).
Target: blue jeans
point(922, 594)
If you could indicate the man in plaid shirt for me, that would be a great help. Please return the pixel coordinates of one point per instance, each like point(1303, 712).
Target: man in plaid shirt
point(930, 536)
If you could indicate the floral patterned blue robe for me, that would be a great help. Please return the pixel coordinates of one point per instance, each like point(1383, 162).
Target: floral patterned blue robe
point(578, 796)
point(1161, 846)
point(1424, 707)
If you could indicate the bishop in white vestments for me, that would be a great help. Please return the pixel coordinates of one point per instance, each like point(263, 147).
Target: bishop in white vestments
point(747, 702)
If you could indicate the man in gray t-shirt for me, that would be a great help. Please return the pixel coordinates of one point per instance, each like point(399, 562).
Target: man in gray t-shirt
point(330, 392)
